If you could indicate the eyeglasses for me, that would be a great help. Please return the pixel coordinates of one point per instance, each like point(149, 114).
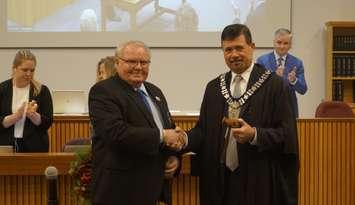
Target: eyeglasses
point(134, 63)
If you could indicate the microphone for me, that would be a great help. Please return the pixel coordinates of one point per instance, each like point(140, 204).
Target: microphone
point(51, 174)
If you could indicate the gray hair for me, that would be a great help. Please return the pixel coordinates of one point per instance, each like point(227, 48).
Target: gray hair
point(120, 48)
point(283, 31)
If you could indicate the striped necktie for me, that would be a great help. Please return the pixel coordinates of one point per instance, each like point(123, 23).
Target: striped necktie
point(279, 62)
point(237, 90)
point(232, 160)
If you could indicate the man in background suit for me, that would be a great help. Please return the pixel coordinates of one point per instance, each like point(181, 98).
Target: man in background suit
point(134, 135)
point(289, 67)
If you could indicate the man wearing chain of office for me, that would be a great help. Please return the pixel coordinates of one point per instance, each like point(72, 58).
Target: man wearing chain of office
point(245, 138)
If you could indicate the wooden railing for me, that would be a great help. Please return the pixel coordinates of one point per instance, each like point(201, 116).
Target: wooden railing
point(327, 162)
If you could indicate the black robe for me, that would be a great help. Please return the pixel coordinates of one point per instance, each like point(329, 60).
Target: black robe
point(268, 171)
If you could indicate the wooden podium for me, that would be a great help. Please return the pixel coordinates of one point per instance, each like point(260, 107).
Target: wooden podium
point(22, 180)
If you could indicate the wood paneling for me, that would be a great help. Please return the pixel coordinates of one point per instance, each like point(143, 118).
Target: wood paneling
point(22, 180)
point(32, 190)
point(327, 159)
point(66, 128)
point(34, 163)
point(327, 164)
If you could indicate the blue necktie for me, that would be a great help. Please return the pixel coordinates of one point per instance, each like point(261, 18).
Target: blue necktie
point(143, 97)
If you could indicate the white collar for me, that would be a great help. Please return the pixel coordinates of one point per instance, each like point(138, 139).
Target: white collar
point(246, 74)
point(142, 87)
point(277, 56)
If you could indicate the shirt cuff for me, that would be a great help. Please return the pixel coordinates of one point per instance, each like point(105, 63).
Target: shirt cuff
point(254, 141)
point(186, 138)
point(294, 82)
point(161, 135)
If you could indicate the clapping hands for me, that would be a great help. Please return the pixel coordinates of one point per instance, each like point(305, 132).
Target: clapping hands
point(27, 108)
point(280, 71)
point(292, 75)
point(175, 139)
point(31, 109)
point(20, 111)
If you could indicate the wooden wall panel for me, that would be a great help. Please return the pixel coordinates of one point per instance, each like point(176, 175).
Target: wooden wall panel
point(32, 190)
point(327, 158)
point(22, 180)
point(326, 177)
point(66, 128)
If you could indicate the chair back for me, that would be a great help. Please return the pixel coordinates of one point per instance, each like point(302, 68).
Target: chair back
point(334, 109)
point(77, 145)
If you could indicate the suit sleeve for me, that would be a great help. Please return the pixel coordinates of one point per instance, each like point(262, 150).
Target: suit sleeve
point(195, 135)
point(2, 108)
point(259, 61)
point(301, 85)
point(281, 133)
point(108, 114)
point(45, 108)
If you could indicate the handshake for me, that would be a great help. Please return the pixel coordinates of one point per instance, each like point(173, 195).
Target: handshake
point(175, 139)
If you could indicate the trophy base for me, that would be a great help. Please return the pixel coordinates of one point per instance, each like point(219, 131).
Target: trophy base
point(231, 122)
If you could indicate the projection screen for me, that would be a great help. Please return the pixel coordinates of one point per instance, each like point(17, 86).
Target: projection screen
point(159, 23)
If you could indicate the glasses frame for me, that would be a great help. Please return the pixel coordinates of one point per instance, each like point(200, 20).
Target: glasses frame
point(134, 63)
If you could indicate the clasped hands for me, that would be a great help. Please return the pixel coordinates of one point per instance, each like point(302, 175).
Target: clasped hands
point(244, 133)
point(175, 139)
point(29, 108)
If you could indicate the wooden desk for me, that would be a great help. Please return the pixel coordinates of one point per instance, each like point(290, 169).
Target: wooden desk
point(22, 180)
point(33, 163)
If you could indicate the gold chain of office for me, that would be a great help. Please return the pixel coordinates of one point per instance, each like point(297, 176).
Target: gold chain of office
point(235, 103)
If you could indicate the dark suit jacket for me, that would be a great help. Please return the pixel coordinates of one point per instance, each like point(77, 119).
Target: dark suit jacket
point(35, 138)
point(268, 171)
point(268, 61)
point(128, 157)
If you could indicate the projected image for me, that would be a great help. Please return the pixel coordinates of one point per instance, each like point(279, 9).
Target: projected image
point(140, 15)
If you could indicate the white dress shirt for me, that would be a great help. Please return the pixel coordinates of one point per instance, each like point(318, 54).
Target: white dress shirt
point(19, 96)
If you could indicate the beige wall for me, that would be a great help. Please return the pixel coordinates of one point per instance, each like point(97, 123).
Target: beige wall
point(182, 73)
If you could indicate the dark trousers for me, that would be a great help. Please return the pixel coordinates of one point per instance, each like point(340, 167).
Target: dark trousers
point(19, 145)
point(232, 187)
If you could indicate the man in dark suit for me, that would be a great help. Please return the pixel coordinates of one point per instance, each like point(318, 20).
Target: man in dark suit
point(134, 135)
point(252, 158)
point(289, 67)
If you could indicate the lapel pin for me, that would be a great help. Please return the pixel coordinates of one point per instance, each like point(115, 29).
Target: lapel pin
point(157, 98)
